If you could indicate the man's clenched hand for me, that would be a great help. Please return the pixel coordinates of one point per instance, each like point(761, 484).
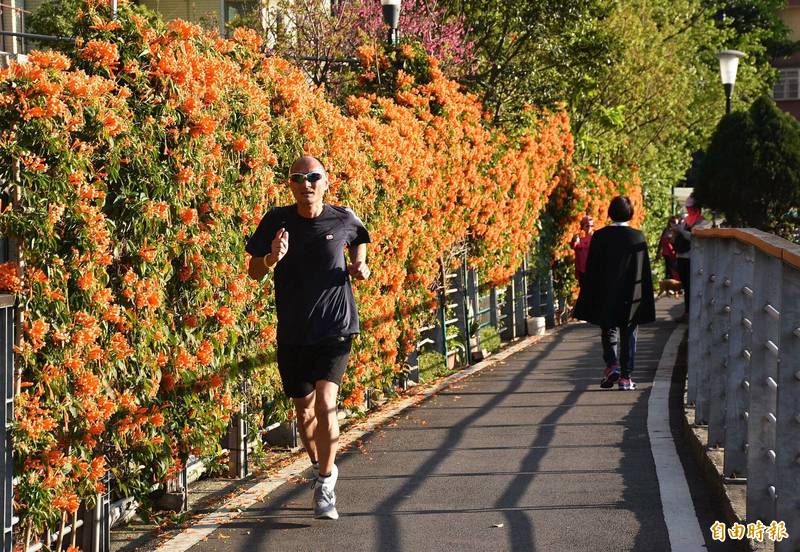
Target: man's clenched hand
point(359, 270)
point(280, 246)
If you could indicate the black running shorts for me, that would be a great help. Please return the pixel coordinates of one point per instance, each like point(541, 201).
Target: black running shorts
point(301, 366)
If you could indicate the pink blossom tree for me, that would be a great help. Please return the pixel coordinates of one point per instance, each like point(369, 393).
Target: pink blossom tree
point(323, 36)
point(425, 20)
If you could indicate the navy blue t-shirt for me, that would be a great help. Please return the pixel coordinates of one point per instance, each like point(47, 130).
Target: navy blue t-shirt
point(313, 296)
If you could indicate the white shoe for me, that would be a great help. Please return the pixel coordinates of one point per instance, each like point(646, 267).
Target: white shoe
point(325, 496)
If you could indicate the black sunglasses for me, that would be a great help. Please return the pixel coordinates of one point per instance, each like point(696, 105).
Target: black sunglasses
point(299, 178)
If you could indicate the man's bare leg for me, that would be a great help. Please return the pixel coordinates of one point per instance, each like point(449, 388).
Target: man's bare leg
point(307, 424)
point(326, 434)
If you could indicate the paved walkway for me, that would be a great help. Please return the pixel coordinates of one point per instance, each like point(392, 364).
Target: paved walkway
point(529, 454)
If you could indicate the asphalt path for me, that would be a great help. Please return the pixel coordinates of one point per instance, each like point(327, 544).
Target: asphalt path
point(529, 454)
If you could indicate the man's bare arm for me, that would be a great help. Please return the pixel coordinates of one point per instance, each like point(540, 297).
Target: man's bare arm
point(257, 269)
point(358, 268)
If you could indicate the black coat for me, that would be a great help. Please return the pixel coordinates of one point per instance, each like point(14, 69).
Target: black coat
point(618, 287)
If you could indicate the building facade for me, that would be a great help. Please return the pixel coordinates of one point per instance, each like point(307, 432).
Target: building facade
point(211, 14)
point(787, 88)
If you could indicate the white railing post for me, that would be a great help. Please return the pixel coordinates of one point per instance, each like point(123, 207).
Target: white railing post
point(720, 310)
point(787, 507)
point(702, 302)
point(761, 456)
point(739, 346)
point(693, 352)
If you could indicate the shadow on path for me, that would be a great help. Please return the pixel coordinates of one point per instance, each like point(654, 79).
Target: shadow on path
point(531, 442)
point(389, 533)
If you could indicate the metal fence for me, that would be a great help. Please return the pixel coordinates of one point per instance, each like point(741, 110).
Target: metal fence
point(744, 365)
point(8, 328)
point(466, 306)
point(6, 457)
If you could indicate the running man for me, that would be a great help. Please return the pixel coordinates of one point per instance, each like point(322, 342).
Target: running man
point(317, 317)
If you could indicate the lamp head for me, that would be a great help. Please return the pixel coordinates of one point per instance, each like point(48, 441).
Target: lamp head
point(728, 64)
point(391, 13)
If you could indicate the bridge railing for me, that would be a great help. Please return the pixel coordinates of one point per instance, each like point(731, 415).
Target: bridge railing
point(744, 365)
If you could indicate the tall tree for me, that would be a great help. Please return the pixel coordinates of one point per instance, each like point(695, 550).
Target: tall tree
point(639, 78)
point(754, 22)
point(534, 53)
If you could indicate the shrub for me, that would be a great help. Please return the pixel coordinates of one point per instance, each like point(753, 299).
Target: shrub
point(490, 339)
point(751, 171)
point(431, 366)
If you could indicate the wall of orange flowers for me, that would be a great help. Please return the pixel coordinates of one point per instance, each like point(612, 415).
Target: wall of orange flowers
point(146, 159)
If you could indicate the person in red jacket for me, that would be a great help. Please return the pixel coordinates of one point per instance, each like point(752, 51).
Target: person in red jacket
point(683, 245)
point(666, 250)
point(580, 244)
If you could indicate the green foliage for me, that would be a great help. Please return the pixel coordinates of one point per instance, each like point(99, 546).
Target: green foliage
point(54, 17)
point(756, 22)
point(534, 53)
point(432, 365)
point(639, 78)
point(751, 171)
point(61, 17)
point(490, 339)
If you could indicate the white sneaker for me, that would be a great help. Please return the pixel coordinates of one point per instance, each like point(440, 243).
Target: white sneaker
point(325, 496)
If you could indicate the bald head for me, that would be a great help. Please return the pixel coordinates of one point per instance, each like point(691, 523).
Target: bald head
point(306, 164)
point(308, 182)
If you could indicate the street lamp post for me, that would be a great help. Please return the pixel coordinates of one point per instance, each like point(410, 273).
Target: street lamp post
point(391, 18)
point(728, 64)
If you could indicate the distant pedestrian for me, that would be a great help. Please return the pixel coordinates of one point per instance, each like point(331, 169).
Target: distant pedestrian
point(305, 244)
point(666, 250)
point(618, 292)
point(683, 248)
point(580, 244)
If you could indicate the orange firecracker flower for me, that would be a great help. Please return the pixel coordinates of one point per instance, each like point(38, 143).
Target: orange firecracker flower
point(225, 316)
point(9, 277)
point(205, 353)
point(101, 53)
point(188, 215)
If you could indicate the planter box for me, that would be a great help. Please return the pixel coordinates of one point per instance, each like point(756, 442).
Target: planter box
point(475, 353)
point(535, 325)
point(480, 354)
